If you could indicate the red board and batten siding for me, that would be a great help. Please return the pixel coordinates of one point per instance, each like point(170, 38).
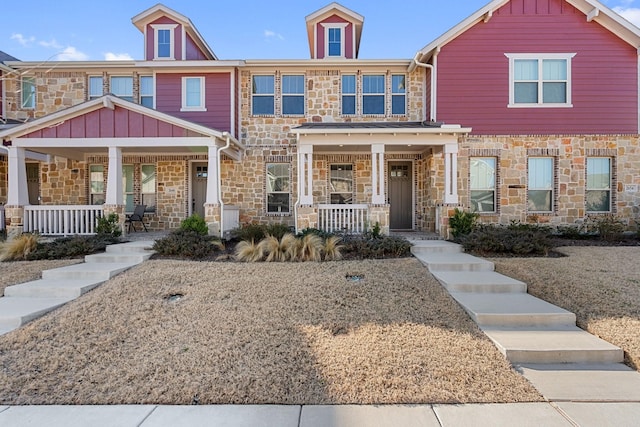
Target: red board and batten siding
point(348, 36)
point(473, 73)
point(217, 99)
point(151, 36)
point(107, 123)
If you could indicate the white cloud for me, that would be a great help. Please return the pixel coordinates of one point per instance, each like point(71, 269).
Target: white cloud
point(52, 44)
point(24, 41)
point(110, 56)
point(631, 14)
point(70, 53)
point(268, 34)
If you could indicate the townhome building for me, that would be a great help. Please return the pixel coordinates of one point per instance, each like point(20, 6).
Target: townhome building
point(528, 110)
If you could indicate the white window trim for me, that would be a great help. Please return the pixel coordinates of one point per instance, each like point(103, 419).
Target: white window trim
point(121, 95)
point(288, 193)
point(354, 94)
point(539, 57)
point(610, 189)
point(385, 93)
point(302, 95)
point(184, 107)
point(342, 27)
point(552, 189)
point(403, 94)
point(89, 94)
point(494, 189)
point(273, 95)
point(31, 105)
point(153, 89)
point(172, 44)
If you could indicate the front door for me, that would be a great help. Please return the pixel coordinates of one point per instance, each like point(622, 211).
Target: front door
point(400, 195)
point(199, 175)
point(33, 183)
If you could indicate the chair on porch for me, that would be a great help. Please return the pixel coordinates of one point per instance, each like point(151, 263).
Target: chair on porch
point(136, 216)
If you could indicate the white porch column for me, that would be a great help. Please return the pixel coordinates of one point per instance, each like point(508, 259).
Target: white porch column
point(451, 173)
point(114, 177)
point(18, 194)
point(213, 198)
point(377, 174)
point(305, 174)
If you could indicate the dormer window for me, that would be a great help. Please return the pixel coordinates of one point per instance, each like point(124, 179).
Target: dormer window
point(334, 38)
point(164, 41)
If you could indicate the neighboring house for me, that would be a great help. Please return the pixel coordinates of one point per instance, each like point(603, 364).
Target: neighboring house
point(526, 110)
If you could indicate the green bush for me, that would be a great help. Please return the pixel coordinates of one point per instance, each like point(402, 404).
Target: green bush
point(196, 224)
point(316, 231)
point(365, 247)
point(188, 244)
point(607, 227)
point(108, 225)
point(249, 232)
point(462, 223)
point(514, 239)
point(72, 247)
point(277, 230)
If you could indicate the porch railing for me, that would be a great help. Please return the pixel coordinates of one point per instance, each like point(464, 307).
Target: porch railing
point(350, 219)
point(2, 218)
point(61, 220)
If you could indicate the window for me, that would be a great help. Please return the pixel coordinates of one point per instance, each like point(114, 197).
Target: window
point(540, 184)
point(293, 95)
point(96, 184)
point(122, 87)
point(127, 187)
point(193, 94)
point(483, 184)
point(373, 94)
point(148, 186)
point(263, 95)
point(348, 95)
point(540, 80)
point(598, 184)
point(95, 87)
point(28, 92)
point(398, 94)
point(278, 188)
point(163, 48)
point(146, 91)
point(334, 42)
point(341, 184)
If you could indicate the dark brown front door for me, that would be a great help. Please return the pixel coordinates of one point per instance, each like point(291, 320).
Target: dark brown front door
point(400, 195)
point(200, 173)
point(33, 183)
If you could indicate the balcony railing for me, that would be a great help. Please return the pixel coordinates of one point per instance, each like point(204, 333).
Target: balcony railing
point(351, 219)
point(62, 220)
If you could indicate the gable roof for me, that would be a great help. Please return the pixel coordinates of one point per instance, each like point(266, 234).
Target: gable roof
point(334, 9)
point(143, 18)
point(593, 10)
point(6, 57)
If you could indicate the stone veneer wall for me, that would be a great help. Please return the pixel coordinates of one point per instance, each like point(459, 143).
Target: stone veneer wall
point(62, 182)
point(4, 186)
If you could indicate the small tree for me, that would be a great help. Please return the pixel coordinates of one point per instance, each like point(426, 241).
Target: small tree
point(462, 223)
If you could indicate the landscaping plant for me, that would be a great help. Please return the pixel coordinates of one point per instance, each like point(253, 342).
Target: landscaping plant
point(196, 224)
point(462, 223)
point(109, 226)
point(18, 248)
point(188, 244)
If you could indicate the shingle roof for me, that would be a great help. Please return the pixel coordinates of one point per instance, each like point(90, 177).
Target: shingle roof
point(6, 57)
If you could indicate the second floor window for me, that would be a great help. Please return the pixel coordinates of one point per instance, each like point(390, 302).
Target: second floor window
point(263, 96)
point(373, 99)
point(95, 87)
point(164, 43)
point(28, 92)
point(540, 80)
point(146, 91)
point(122, 87)
point(348, 95)
point(193, 94)
point(293, 95)
point(398, 94)
point(334, 42)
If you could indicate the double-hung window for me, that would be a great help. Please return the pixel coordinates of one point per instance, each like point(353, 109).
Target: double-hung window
point(540, 184)
point(122, 87)
point(127, 187)
point(96, 184)
point(263, 95)
point(278, 188)
point(341, 184)
point(148, 186)
point(95, 87)
point(598, 192)
point(348, 94)
point(164, 41)
point(373, 95)
point(28, 93)
point(482, 184)
point(293, 95)
point(398, 94)
point(146, 91)
point(193, 94)
point(540, 80)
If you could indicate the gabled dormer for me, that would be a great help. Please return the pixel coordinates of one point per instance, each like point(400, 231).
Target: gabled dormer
point(334, 32)
point(170, 36)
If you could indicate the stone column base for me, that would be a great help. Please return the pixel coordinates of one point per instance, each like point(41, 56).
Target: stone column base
point(119, 210)
point(14, 217)
point(307, 217)
point(443, 212)
point(212, 218)
point(379, 214)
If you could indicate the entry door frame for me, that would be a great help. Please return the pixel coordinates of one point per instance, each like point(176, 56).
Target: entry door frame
point(413, 189)
point(191, 182)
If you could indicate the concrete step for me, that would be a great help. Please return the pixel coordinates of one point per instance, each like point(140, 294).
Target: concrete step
point(16, 311)
point(434, 246)
point(94, 271)
point(52, 288)
point(118, 257)
point(552, 346)
point(584, 382)
point(143, 246)
point(511, 310)
point(479, 281)
point(453, 262)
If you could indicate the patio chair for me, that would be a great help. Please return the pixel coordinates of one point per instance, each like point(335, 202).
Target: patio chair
point(136, 216)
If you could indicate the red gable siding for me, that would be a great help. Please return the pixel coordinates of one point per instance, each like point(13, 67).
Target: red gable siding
point(107, 123)
point(193, 51)
point(177, 38)
point(348, 35)
point(473, 73)
point(217, 99)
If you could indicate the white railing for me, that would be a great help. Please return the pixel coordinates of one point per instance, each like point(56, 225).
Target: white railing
point(1, 218)
point(61, 220)
point(350, 219)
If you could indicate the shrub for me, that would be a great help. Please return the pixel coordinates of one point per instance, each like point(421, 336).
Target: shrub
point(188, 244)
point(332, 248)
point(462, 223)
point(515, 239)
point(250, 232)
point(375, 232)
point(277, 230)
point(316, 231)
point(274, 249)
point(248, 251)
point(607, 227)
point(109, 226)
point(72, 247)
point(18, 248)
point(363, 247)
point(571, 232)
point(311, 248)
point(196, 224)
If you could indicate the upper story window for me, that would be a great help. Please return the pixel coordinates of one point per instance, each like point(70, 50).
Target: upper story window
point(293, 95)
point(122, 87)
point(193, 94)
point(95, 87)
point(373, 98)
point(28, 92)
point(482, 184)
point(263, 95)
point(540, 184)
point(348, 94)
point(146, 91)
point(599, 186)
point(334, 35)
point(540, 80)
point(164, 47)
point(398, 94)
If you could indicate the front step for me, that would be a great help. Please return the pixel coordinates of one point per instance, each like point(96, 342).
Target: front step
point(434, 246)
point(479, 281)
point(117, 257)
point(16, 311)
point(95, 271)
point(554, 345)
point(454, 262)
point(513, 310)
point(52, 288)
point(143, 246)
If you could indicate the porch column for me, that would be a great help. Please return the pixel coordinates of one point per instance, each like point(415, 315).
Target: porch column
point(451, 173)
point(114, 177)
point(305, 174)
point(213, 198)
point(377, 174)
point(17, 194)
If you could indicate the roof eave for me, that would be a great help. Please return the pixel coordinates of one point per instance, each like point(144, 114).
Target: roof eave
point(448, 130)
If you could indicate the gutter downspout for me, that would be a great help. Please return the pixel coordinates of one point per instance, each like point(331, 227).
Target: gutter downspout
point(295, 205)
point(219, 179)
point(431, 67)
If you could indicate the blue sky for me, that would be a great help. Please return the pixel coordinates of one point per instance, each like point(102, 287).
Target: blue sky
point(234, 29)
